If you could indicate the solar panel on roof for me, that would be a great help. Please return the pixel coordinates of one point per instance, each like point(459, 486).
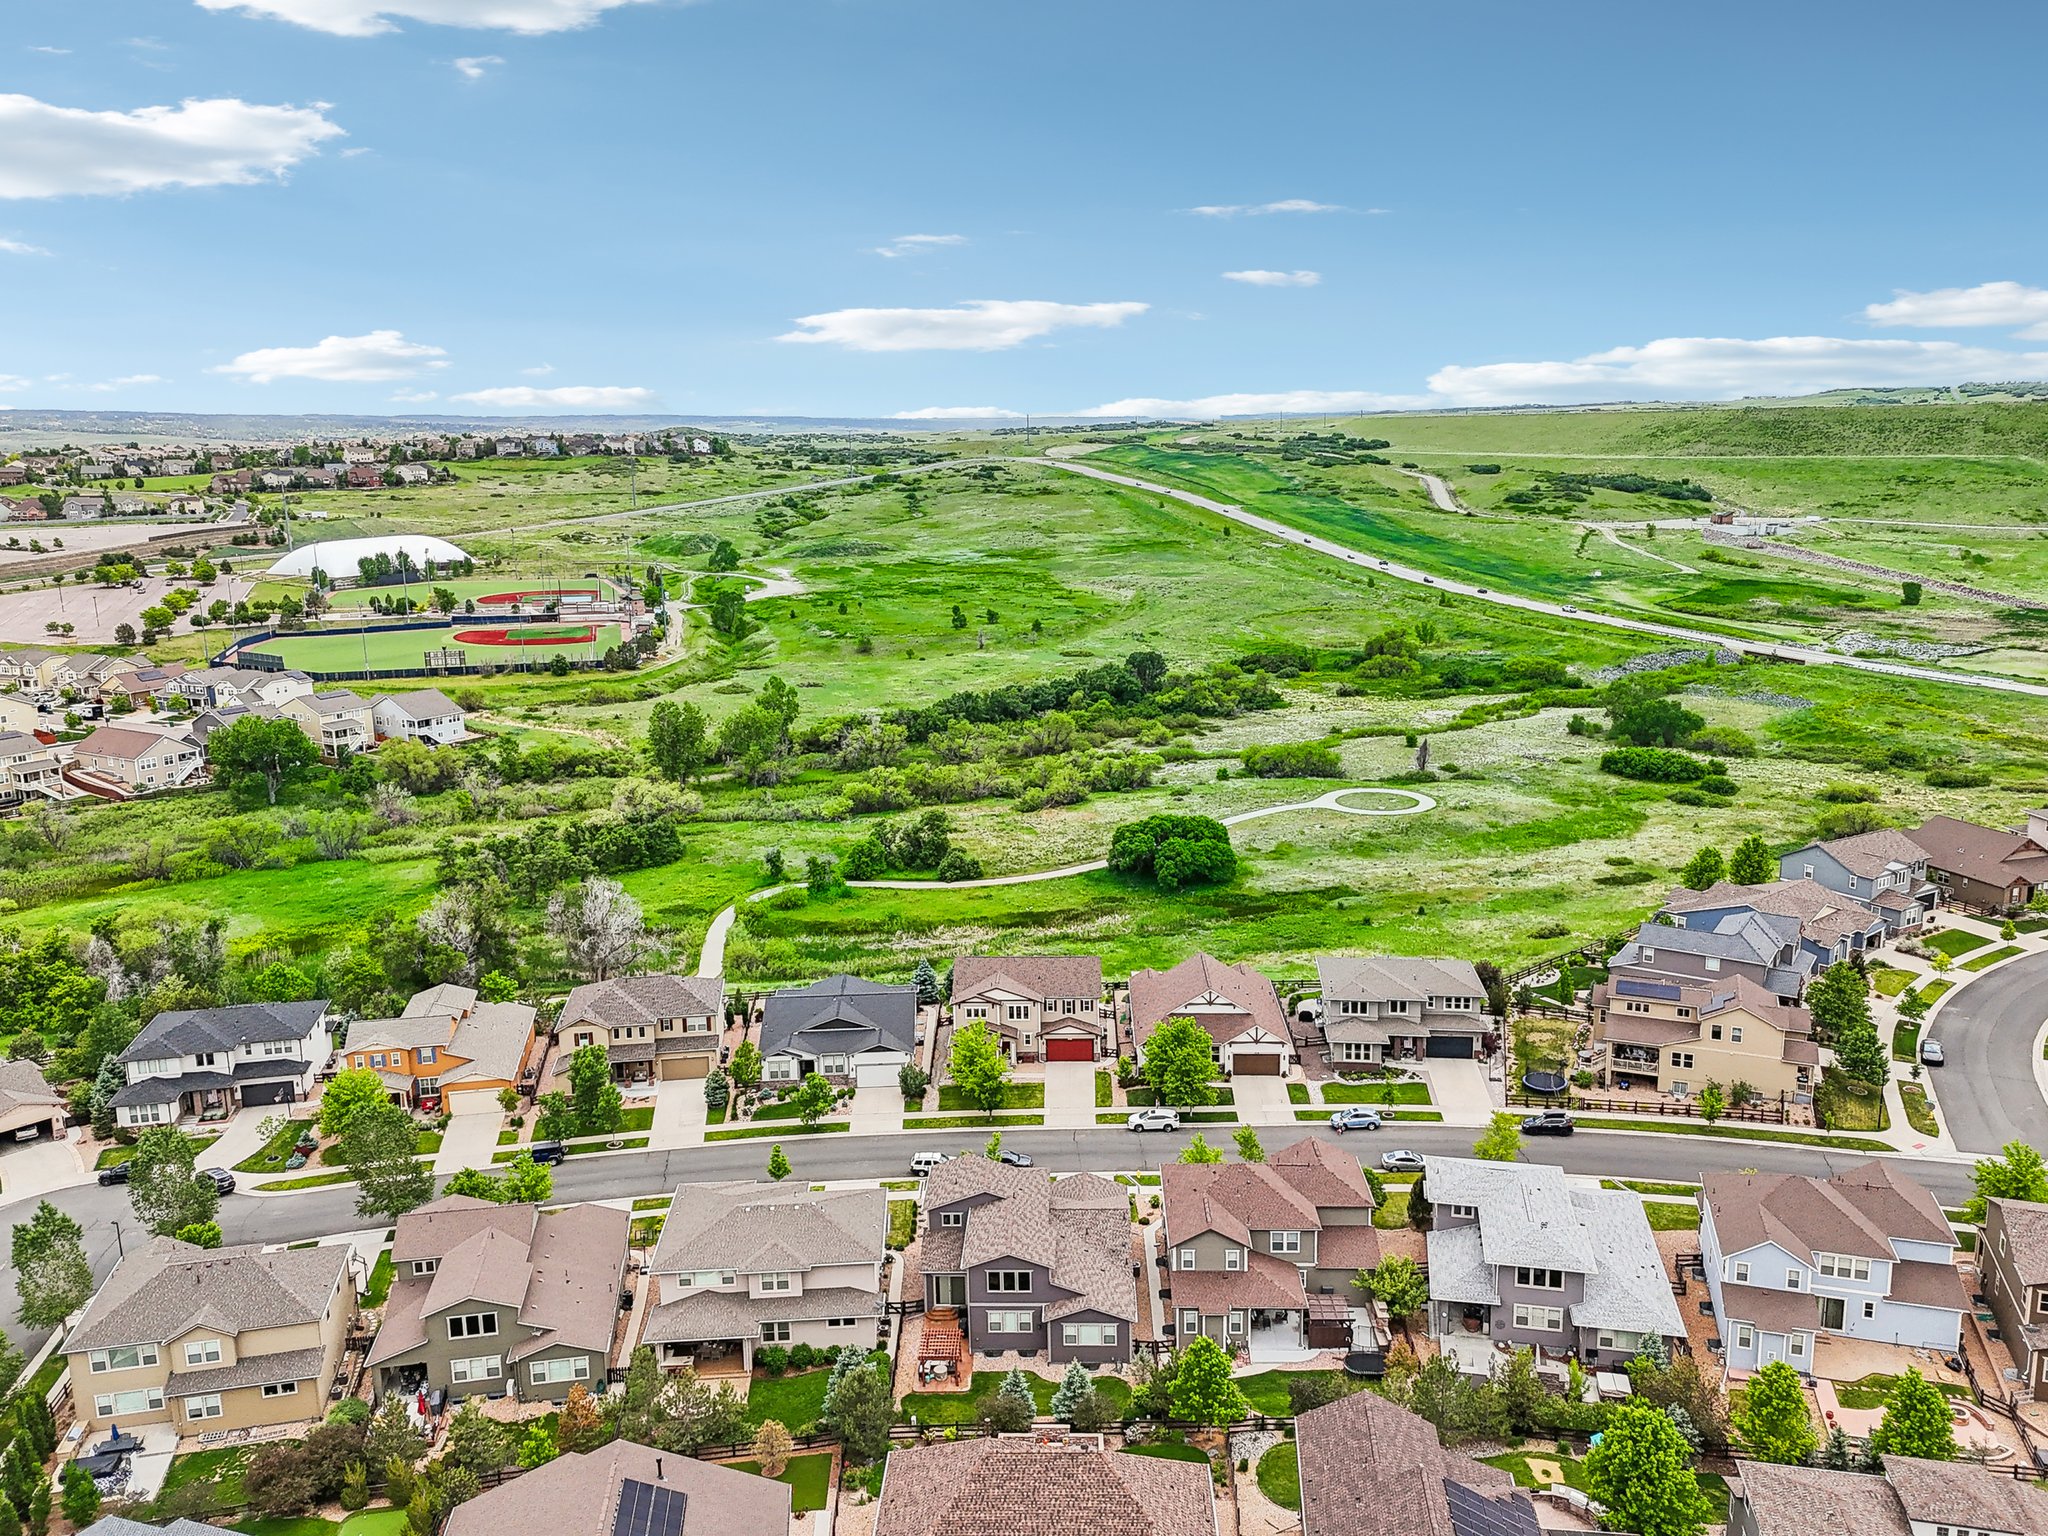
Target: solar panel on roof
point(1473, 1514)
point(1635, 986)
point(648, 1509)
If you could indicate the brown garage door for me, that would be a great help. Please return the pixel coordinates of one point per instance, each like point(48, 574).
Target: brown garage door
point(686, 1066)
point(1070, 1050)
point(1256, 1064)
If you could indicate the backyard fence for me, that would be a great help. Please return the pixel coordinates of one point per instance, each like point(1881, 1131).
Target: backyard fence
point(1683, 1109)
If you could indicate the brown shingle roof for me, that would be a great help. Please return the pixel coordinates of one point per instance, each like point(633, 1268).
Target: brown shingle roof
point(1159, 995)
point(1857, 1211)
point(771, 1228)
point(1270, 1284)
point(643, 1000)
point(1325, 1175)
point(1038, 976)
point(2025, 1224)
point(1041, 1486)
point(1078, 1227)
point(1371, 1468)
point(578, 1494)
point(1870, 854)
point(1796, 1501)
point(1772, 1311)
point(166, 1287)
point(1990, 854)
point(1232, 1200)
point(1824, 915)
point(1943, 1493)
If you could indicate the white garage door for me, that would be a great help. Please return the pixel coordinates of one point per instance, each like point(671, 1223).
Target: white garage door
point(875, 1074)
point(472, 1101)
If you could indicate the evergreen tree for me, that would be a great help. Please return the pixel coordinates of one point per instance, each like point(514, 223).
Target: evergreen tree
point(778, 1163)
point(81, 1498)
point(926, 980)
point(1074, 1387)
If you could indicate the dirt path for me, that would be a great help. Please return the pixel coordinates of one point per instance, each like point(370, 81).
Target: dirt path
point(1610, 536)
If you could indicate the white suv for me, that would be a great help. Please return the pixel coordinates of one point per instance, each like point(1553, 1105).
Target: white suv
point(1157, 1119)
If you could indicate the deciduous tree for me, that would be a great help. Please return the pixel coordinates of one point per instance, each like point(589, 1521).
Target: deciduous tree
point(1398, 1284)
point(1502, 1142)
point(1751, 863)
point(599, 927)
point(772, 1445)
point(2017, 1173)
point(1249, 1148)
point(1703, 870)
point(1916, 1422)
point(1774, 1421)
point(50, 1268)
point(1203, 1390)
point(380, 1148)
point(1199, 1151)
point(261, 750)
point(347, 1093)
point(1179, 1063)
point(162, 1186)
point(976, 1065)
point(813, 1098)
point(1641, 1471)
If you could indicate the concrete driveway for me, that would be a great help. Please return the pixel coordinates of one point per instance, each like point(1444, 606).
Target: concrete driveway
point(1989, 1091)
point(680, 1114)
point(1262, 1100)
point(468, 1142)
point(876, 1108)
point(29, 1168)
point(1070, 1094)
point(1460, 1089)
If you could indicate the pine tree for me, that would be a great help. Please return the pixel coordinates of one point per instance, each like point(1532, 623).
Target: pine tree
point(926, 980)
point(1074, 1386)
point(1017, 1385)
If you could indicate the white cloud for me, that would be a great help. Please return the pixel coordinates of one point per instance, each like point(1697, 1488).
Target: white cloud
point(127, 381)
point(367, 359)
point(587, 397)
point(2012, 304)
point(63, 151)
point(366, 18)
point(1285, 205)
point(538, 370)
point(12, 382)
point(46, 48)
point(917, 245)
point(1720, 368)
point(1260, 277)
point(414, 396)
point(980, 325)
point(1306, 402)
point(959, 413)
point(355, 149)
point(20, 248)
point(473, 68)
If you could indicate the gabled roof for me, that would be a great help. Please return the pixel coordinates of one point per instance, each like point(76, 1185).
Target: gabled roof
point(128, 743)
point(2025, 1223)
point(165, 1288)
point(1990, 854)
point(1825, 917)
point(420, 703)
point(1077, 1226)
point(580, 1494)
point(183, 1032)
point(1804, 1501)
point(643, 1000)
point(1033, 976)
point(1870, 854)
point(857, 1015)
point(1041, 1485)
point(1323, 1174)
point(1379, 977)
point(439, 1227)
point(22, 1084)
point(770, 1228)
point(1942, 1493)
point(1369, 1467)
point(1859, 1211)
point(1246, 999)
point(1232, 1200)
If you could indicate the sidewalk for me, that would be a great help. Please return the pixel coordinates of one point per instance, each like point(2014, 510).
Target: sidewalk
point(468, 1142)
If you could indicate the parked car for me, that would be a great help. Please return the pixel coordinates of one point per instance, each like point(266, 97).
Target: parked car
point(1931, 1053)
point(922, 1163)
point(1401, 1160)
point(1014, 1159)
point(1157, 1119)
point(547, 1152)
point(117, 1174)
point(222, 1180)
point(1551, 1122)
point(1357, 1118)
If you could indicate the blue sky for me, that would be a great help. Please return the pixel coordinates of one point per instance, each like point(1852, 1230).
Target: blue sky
point(561, 205)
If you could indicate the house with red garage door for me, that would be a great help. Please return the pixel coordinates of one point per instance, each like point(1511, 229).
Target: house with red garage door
point(1040, 1007)
point(1235, 1004)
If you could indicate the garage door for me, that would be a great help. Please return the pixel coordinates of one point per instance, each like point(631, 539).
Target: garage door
point(1456, 1047)
point(1256, 1064)
point(267, 1093)
point(875, 1074)
point(471, 1101)
point(1070, 1050)
point(686, 1066)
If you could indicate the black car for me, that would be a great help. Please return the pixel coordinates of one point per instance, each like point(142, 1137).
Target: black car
point(1552, 1122)
point(547, 1152)
point(117, 1174)
point(222, 1180)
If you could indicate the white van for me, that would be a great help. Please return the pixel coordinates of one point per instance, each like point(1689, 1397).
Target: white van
point(922, 1163)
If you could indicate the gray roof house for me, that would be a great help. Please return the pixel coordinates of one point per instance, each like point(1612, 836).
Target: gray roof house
point(1885, 870)
point(745, 1264)
point(1369, 1467)
point(1386, 1008)
point(1763, 947)
point(1831, 926)
point(1529, 1258)
point(847, 1029)
point(1911, 1498)
point(625, 1489)
point(659, 1026)
point(2012, 1265)
point(210, 1061)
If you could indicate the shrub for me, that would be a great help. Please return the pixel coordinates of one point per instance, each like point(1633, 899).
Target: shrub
point(772, 1358)
point(1176, 851)
point(1716, 784)
point(803, 1356)
point(1849, 794)
point(1957, 778)
point(1292, 760)
point(1723, 741)
point(1654, 765)
point(1694, 797)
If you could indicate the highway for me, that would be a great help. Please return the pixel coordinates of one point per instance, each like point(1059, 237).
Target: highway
point(1990, 1091)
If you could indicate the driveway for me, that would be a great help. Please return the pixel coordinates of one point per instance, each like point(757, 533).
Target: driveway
point(30, 1168)
point(1460, 1090)
point(680, 1114)
point(876, 1108)
point(1989, 1091)
point(468, 1142)
point(1070, 1094)
point(1262, 1100)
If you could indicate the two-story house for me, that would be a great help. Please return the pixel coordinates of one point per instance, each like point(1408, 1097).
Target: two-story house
point(120, 760)
point(1790, 1258)
point(210, 1062)
point(2012, 1263)
point(422, 714)
point(1885, 870)
point(212, 1339)
point(1262, 1255)
point(447, 1048)
point(29, 770)
point(651, 1027)
point(1520, 1256)
point(338, 721)
point(1019, 1261)
point(1979, 866)
point(1911, 1497)
point(1760, 947)
point(1041, 1007)
point(1369, 1467)
point(1048, 1482)
point(1234, 1004)
point(742, 1265)
point(1831, 927)
point(844, 1028)
point(225, 687)
point(488, 1299)
point(1378, 1008)
point(30, 1109)
point(1676, 1037)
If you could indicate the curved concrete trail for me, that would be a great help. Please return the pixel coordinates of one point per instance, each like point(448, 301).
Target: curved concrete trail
point(712, 961)
point(1765, 648)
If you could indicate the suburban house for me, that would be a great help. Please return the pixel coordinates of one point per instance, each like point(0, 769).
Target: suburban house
point(423, 714)
point(1038, 1265)
point(1977, 866)
point(121, 760)
point(29, 770)
point(1047, 1483)
point(1885, 870)
point(1262, 1255)
point(446, 1050)
point(1386, 1008)
point(24, 665)
point(1041, 1007)
point(338, 721)
point(202, 726)
point(849, 1030)
point(1866, 1253)
point(1369, 1467)
point(18, 714)
point(627, 1489)
point(138, 686)
point(224, 687)
point(212, 1339)
point(651, 1027)
point(2012, 1263)
point(1910, 1498)
point(1831, 927)
point(488, 1299)
point(1676, 1037)
point(1237, 1006)
point(1522, 1257)
point(742, 1265)
point(30, 1109)
point(210, 1062)
point(1761, 947)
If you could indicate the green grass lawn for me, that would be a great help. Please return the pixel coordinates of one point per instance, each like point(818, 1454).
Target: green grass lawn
point(112, 1157)
point(1280, 1475)
point(1871, 1391)
point(1905, 1040)
point(809, 1479)
point(276, 1151)
point(1734, 1133)
point(364, 1522)
point(1170, 1450)
point(1919, 1111)
point(1889, 980)
point(1376, 1093)
point(1015, 1096)
point(965, 1407)
point(1391, 1214)
point(967, 1122)
point(1991, 957)
point(793, 1401)
point(1105, 1090)
point(222, 1469)
point(1933, 990)
point(1267, 1390)
point(902, 1222)
point(1844, 1104)
point(1669, 1216)
point(1955, 942)
point(379, 1290)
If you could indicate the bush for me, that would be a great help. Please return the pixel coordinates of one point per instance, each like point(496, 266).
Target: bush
point(1176, 851)
point(1723, 741)
point(1292, 760)
point(772, 1358)
point(958, 865)
point(1694, 797)
point(1849, 794)
point(1716, 784)
point(802, 1357)
point(1957, 778)
point(1653, 765)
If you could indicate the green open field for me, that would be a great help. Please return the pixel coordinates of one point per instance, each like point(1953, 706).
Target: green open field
point(571, 587)
point(407, 648)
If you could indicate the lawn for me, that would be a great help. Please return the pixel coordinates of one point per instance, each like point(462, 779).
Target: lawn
point(1871, 1391)
point(1933, 990)
point(1992, 957)
point(1843, 1104)
point(112, 1157)
point(1889, 980)
point(1280, 1475)
point(1919, 1112)
point(902, 1223)
point(1955, 942)
point(1015, 1096)
point(1905, 1040)
point(809, 1479)
point(365, 1522)
point(1670, 1216)
point(1516, 1464)
point(965, 1407)
point(395, 649)
point(277, 1151)
point(793, 1401)
point(1170, 1450)
point(1105, 1090)
point(1735, 1133)
point(969, 1122)
point(1391, 1214)
point(1267, 1391)
point(379, 1290)
point(1376, 1093)
point(222, 1469)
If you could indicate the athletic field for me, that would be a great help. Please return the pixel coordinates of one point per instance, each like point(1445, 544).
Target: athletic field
point(525, 643)
point(481, 590)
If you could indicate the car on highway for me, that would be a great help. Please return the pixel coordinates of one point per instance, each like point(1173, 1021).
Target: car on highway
point(222, 1181)
point(1551, 1122)
point(1014, 1159)
point(1357, 1118)
point(1568, 608)
point(1401, 1160)
point(1383, 565)
point(1156, 1119)
point(1931, 1053)
point(117, 1174)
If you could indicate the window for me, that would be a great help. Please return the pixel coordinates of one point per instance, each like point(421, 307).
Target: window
point(203, 1352)
point(1539, 1279)
point(583, 1038)
point(1794, 1280)
point(1715, 1032)
point(1681, 1059)
point(1009, 1322)
point(1190, 1323)
point(1015, 1012)
point(1713, 964)
point(976, 1010)
point(376, 1058)
point(1287, 1242)
point(1842, 1266)
point(1233, 1258)
point(146, 1400)
point(2040, 1306)
point(205, 1406)
point(1741, 1271)
point(1185, 1259)
point(1237, 1322)
point(428, 1085)
point(1459, 1004)
point(1397, 1005)
point(1089, 1335)
point(774, 1284)
point(708, 1277)
point(1464, 1210)
point(1017, 1280)
point(205, 1059)
point(1745, 1336)
point(1539, 1319)
point(1796, 1345)
point(841, 1322)
point(149, 1114)
point(476, 1368)
point(425, 1266)
point(427, 1055)
point(1649, 955)
point(775, 1333)
point(126, 1357)
point(1869, 1310)
point(1735, 1034)
point(1354, 1006)
point(472, 1325)
point(280, 1389)
point(952, 1218)
point(543, 1372)
point(1353, 1050)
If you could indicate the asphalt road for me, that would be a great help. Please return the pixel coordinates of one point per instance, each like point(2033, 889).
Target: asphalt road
point(1989, 1094)
point(317, 1212)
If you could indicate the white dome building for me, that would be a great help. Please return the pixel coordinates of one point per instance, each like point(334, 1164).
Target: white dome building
point(339, 557)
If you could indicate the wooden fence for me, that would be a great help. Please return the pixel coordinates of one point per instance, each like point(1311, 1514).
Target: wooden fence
point(1683, 1109)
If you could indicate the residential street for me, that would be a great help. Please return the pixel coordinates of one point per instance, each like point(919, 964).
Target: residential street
point(1989, 1090)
